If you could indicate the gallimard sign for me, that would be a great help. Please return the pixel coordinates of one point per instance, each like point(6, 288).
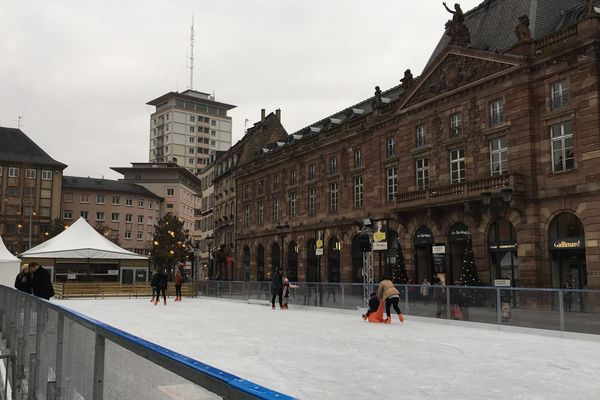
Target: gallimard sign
point(567, 244)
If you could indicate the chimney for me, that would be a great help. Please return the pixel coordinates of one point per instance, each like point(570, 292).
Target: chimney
point(262, 115)
point(278, 114)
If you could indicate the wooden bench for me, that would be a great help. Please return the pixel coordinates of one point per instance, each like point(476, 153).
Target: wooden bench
point(101, 290)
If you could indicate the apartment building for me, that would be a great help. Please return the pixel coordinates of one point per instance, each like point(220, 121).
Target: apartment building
point(187, 128)
point(124, 212)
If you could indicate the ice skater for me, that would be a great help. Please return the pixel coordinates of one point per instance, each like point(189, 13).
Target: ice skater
point(277, 288)
point(153, 280)
point(389, 294)
point(286, 291)
point(161, 286)
point(373, 306)
point(178, 286)
point(24, 281)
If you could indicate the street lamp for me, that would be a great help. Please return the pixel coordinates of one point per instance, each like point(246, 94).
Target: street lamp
point(209, 241)
point(281, 228)
point(497, 207)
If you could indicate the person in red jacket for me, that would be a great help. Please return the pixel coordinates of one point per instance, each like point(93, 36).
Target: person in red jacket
point(178, 286)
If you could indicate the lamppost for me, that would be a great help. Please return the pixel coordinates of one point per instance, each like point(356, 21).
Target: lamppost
point(281, 228)
point(486, 198)
point(209, 241)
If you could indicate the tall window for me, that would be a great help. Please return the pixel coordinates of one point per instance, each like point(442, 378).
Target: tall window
point(455, 125)
point(275, 208)
point(332, 166)
point(46, 175)
point(30, 173)
point(422, 168)
point(246, 214)
point(312, 200)
point(116, 200)
point(84, 215)
point(420, 136)
point(311, 172)
point(391, 146)
point(293, 205)
point(357, 158)
point(496, 112)
point(498, 156)
point(99, 216)
point(457, 166)
point(358, 191)
point(13, 172)
point(558, 94)
point(261, 186)
point(333, 196)
point(261, 212)
point(83, 198)
point(392, 183)
point(292, 177)
point(563, 157)
point(276, 182)
point(128, 217)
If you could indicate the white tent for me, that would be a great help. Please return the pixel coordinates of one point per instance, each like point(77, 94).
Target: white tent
point(80, 241)
point(9, 266)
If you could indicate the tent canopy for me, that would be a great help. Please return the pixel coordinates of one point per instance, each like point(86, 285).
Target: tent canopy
point(5, 255)
point(80, 240)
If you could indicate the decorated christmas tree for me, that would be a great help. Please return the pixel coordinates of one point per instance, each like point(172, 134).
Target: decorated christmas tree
point(469, 276)
point(399, 271)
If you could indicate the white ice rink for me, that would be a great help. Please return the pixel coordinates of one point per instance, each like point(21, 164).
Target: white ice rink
point(331, 354)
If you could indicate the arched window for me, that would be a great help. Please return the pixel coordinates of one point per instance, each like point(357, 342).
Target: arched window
point(567, 251)
point(275, 258)
point(260, 263)
point(311, 261)
point(357, 259)
point(502, 247)
point(424, 260)
point(333, 259)
point(246, 263)
point(292, 267)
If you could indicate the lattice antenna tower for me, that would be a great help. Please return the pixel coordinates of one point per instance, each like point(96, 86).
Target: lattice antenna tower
point(191, 57)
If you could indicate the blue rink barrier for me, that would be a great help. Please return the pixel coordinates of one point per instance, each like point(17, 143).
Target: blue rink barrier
point(52, 352)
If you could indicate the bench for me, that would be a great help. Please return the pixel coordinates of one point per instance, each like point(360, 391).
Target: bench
point(101, 290)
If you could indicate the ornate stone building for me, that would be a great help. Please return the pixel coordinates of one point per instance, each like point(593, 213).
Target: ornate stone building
point(497, 140)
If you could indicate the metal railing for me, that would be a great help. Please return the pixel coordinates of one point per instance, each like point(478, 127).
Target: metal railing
point(50, 352)
point(554, 309)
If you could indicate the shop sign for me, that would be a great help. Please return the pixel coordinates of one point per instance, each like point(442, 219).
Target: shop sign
point(439, 258)
point(502, 282)
point(567, 244)
point(379, 235)
point(503, 247)
point(319, 247)
point(71, 276)
point(113, 272)
point(459, 233)
point(423, 236)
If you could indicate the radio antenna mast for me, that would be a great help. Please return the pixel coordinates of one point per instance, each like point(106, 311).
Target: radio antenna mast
point(191, 57)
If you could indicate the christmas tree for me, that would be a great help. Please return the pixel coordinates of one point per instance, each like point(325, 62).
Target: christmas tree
point(170, 243)
point(469, 276)
point(399, 271)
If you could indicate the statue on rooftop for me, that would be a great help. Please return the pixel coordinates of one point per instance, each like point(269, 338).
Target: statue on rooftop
point(456, 28)
point(407, 80)
point(522, 30)
point(376, 102)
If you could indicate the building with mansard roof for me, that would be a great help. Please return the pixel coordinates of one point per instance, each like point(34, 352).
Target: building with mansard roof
point(495, 146)
point(30, 182)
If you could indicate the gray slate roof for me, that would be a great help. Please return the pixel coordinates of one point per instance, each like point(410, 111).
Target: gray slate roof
point(492, 23)
point(76, 182)
point(17, 147)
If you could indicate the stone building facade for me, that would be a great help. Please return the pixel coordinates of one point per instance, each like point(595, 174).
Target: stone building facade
point(495, 143)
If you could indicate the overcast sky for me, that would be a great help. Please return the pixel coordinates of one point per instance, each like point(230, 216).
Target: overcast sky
point(80, 72)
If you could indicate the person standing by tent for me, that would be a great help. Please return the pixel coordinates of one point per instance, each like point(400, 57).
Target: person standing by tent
point(41, 283)
point(387, 292)
point(161, 286)
point(277, 288)
point(153, 282)
point(178, 280)
point(24, 281)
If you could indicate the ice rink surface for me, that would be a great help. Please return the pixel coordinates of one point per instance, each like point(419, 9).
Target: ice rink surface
point(321, 354)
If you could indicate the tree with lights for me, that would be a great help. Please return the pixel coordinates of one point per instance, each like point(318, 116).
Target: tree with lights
point(399, 274)
point(170, 243)
point(469, 276)
point(57, 226)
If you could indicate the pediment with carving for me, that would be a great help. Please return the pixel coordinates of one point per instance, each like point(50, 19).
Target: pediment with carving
point(453, 72)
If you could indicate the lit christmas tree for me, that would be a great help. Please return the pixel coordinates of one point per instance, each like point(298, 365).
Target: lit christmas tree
point(469, 276)
point(399, 271)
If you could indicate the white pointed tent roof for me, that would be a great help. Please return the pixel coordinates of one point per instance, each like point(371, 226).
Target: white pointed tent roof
point(80, 240)
point(9, 266)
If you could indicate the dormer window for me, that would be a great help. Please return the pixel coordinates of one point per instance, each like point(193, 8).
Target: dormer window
point(496, 112)
point(558, 95)
point(420, 136)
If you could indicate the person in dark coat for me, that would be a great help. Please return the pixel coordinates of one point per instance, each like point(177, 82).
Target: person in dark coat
point(277, 288)
point(161, 286)
point(153, 282)
point(41, 281)
point(373, 305)
point(24, 280)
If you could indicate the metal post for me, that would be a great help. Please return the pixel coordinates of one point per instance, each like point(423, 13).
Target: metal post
point(406, 298)
point(562, 309)
point(342, 285)
point(368, 278)
point(448, 302)
point(59, 354)
point(98, 390)
point(31, 384)
point(498, 308)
